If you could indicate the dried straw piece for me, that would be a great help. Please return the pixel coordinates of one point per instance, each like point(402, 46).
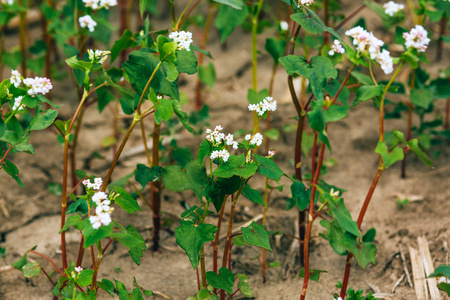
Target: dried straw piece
point(425, 256)
point(420, 285)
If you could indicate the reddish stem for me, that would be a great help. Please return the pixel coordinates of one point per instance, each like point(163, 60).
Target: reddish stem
point(357, 11)
point(447, 114)
point(362, 213)
point(6, 154)
point(49, 260)
point(310, 221)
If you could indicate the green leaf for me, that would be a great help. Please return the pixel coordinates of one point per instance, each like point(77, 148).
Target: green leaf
point(140, 67)
point(236, 166)
point(145, 174)
point(170, 70)
point(255, 97)
point(369, 236)
point(344, 218)
point(266, 167)
point(215, 191)
point(365, 93)
point(92, 235)
point(163, 108)
point(313, 274)
point(31, 270)
point(422, 97)
point(186, 62)
point(275, 47)
point(182, 116)
point(363, 79)
point(243, 286)
point(256, 235)
point(12, 171)
point(145, 291)
point(191, 237)
point(272, 134)
point(300, 194)
point(43, 120)
point(224, 280)
point(444, 287)
point(21, 262)
point(317, 70)
point(414, 147)
point(252, 195)
point(124, 42)
point(207, 74)
point(75, 221)
point(77, 64)
point(364, 252)
point(237, 4)
point(274, 264)
point(192, 177)
point(334, 235)
point(440, 271)
point(125, 201)
point(389, 158)
point(318, 123)
point(106, 285)
point(136, 252)
point(79, 205)
point(228, 18)
point(85, 278)
point(313, 24)
point(204, 150)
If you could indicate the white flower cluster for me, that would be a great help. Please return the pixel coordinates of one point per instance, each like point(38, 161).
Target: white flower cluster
point(96, 4)
point(224, 154)
point(268, 104)
point(255, 139)
point(284, 26)
point(98, 56)
point(16, 78)
point(216, 137)
point(18, 104)
point(78, 269)
point(305, 2)
point(417, 38)
point(102, 211)
point(391, 8)
point(366, 41)
point(87, 21)
point(336, 48)
point(98, 182)
point(182, 38)
point(38, 85)
point(8, 2)
point(270, 153)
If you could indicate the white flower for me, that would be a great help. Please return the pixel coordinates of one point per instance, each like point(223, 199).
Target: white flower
point(95, 222)
point(270, 153)
point(87, 21)
point(417, 38)
point(99, 197)
point(336, 48)
point(284, 26)
point(91, 3)
point(96, 185)
point(215, 137)
point(38, 85)
point(365, 41)
point(256, 139)
point(385, 61)
point(98, 56)
point(78, 269)
point(305, 2)
point(18, 104)
point(9, 2)
point(248, 137)
point(107, 3)
point(220, 153)
point(182, 38)
point(268, 104)
point(15, 78)
point(391, 8)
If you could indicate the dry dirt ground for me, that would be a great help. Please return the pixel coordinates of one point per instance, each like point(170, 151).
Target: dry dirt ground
point(30, 216)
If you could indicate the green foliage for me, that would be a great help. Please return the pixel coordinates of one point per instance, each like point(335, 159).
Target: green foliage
point(224, 280)
point(192, 177)
point(228, 18)
point(252, 195)
point(313, 274)
point(92, 236)
point(256, 235)
point(312, 23)
point(207, 74)
point(145, 174)
point(125, 201)
point(268, 168)
point(443, 270)
point(317, 70)
point(236, 165)
point(244, 287)
point(130, 238)
point(191, 237)
point(388, 157)
point(215, 191)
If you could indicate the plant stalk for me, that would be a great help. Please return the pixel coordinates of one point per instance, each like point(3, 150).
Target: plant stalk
point(155, 190)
